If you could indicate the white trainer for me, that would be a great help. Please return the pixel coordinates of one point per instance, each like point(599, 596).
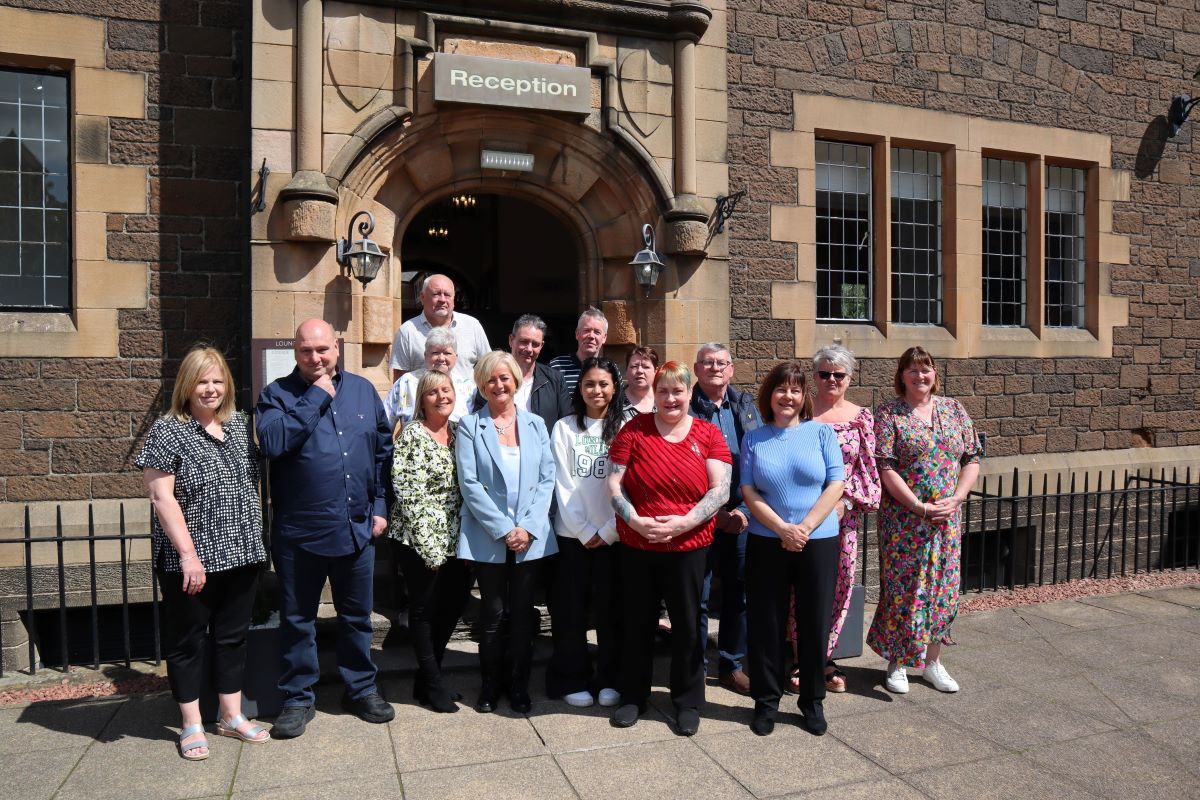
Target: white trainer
point(609, 698)
point(937, 677)
point(579, 699)
point(897, 679)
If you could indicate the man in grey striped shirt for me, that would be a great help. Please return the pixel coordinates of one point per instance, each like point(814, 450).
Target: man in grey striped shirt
point(591, 332)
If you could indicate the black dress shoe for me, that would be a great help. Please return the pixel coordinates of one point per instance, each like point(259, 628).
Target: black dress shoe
point(813, 719)
point(762, 725)
point(687, 721)
point(519, 701)
point(437, 698)
point(369, 708)
point(486, 703)
point(626, 716)
point(292, 721)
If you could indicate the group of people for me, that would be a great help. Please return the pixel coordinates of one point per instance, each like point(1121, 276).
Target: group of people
point(618, 492)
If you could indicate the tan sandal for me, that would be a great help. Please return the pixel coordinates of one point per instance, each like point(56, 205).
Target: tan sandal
point(230, 728)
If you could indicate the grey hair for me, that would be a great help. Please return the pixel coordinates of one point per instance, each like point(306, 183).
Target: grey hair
point(712, 347)
point(529, 321)
point(430, 277)
point(591, 312)
point(440, 337)
point(838, 355)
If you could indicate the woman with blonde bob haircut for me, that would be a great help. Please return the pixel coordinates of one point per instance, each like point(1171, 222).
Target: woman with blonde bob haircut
point(200, 464)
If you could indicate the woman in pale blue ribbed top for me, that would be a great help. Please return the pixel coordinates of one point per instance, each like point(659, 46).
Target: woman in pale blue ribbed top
point(789, 468)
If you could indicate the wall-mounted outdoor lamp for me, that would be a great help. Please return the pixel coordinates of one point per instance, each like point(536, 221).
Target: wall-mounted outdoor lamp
point(363, 258)
point(1181, 106)
point(648, 263)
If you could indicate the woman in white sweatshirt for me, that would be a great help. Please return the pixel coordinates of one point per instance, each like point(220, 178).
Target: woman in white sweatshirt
point(587, 573)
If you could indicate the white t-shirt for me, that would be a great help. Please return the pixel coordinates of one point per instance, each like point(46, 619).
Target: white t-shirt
point(401, 400)
point(580, 473)
point(408, 348)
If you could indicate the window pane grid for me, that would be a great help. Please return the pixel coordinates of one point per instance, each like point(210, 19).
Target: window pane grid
point(844, 240)
point(35, 257)
point(916, 236)
point(1004, 242)
point(1066, 196)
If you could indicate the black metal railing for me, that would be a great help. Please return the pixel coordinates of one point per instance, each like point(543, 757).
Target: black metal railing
point(1017, 533)
point(68, 588)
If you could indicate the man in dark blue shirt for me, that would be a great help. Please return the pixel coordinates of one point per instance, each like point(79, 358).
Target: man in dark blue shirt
point(330, 446)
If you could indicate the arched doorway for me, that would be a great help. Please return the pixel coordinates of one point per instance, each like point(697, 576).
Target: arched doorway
point(506, 254)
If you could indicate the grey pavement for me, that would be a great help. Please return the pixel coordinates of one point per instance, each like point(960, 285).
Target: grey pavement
point(1091, 698)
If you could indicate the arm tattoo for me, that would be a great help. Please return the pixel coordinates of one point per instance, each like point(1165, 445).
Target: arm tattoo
point(620, 502)
point(715, 498)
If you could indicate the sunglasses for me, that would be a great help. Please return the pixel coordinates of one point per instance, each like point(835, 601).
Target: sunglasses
point(837, 376)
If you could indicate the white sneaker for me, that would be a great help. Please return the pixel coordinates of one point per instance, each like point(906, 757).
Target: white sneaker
point(897, 679)
point(609, 697)
point(579, 699)
point(937, 677)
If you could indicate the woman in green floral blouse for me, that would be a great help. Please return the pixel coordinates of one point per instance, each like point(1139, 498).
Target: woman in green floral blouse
point(425, 522)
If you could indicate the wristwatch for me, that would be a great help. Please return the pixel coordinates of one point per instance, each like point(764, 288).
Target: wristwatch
point(848, 504)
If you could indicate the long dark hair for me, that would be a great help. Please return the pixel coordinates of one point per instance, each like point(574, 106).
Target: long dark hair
point(785, 372)
point(613, 416)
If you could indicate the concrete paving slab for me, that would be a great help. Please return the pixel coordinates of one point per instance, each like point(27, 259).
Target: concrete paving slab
point(1004, 623)
point(789, 760)
point(649, 771)
point(564, 729)
point(466, 737)
point(1008, 778)
point(1103, 648)
point(908, 739)
point(1013, 664)
point(1188, 596)
point(890, 788)
point(1077, 615)
point(375, 787)
point(141, 769)
point(153, 717)
point(1124, 764)
point(37, 775)
point(48, 726)
point(1181, 737)
point(1017, 719)
point(519, 779)
point(1138, 605)
point(334, 746)
point(1080, 693)
point(1162, 689)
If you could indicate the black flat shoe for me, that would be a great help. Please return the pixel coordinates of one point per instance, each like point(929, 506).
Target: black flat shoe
point(519, 702)
point(762, 725)
point(369, 708)
point(813, 718)
point(486, 703)
point(687, 721)
point(292, 721)
point(626, 716)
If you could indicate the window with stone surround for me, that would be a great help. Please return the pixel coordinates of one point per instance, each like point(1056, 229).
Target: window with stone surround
point(844, 241)
point(916, 257)
point(35, 217)
point(1005, 227)
point(1066, 226)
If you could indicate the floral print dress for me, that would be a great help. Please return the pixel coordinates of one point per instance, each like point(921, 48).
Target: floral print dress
point(857, 441)
point(919, 560)
point(428, 502)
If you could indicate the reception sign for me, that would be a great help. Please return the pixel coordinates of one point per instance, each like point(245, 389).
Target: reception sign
point(512, 84)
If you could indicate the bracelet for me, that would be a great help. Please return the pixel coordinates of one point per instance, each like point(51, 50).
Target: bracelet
point(185, 559)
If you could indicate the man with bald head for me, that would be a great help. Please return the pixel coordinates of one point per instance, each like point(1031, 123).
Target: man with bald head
point(330, 446)
point(437, 311)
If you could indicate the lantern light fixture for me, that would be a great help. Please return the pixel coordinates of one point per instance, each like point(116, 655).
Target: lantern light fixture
point(647, 263)
point(363, 258)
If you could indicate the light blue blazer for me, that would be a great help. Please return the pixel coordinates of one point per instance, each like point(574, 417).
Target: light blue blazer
point(485, 518)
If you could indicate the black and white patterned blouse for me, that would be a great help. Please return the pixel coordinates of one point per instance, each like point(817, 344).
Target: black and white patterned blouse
point(216, 484)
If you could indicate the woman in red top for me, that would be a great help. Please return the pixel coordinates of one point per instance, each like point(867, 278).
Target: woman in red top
point(669, 476)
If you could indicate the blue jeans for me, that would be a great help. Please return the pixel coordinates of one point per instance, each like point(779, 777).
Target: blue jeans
point(727, 559)
point(302, 576)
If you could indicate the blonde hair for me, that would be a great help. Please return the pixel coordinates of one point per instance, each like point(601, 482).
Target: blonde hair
point(430, 380)
point(488, 363)
point(673, 372)
point(197, 362)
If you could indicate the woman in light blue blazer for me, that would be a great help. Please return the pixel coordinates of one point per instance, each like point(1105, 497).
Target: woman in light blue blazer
point(506, 473)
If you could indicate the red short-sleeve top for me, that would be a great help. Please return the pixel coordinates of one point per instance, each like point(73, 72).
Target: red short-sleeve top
point(666, 477)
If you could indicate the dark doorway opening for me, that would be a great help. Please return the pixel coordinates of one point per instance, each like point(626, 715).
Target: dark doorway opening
point(507, 257)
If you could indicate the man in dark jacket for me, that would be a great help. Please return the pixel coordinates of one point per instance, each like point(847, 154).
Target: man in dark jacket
point(734, 413)
point(542, 391)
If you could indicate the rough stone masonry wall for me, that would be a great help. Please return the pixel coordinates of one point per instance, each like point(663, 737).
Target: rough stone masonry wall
point(69, 427)
point(1008, 60)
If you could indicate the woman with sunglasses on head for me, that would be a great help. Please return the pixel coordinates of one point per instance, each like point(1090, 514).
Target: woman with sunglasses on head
point(587, 574)
point(928, 455)
point(833, 369)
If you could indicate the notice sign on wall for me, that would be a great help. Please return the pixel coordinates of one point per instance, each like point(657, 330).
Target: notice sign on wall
point(513, 84)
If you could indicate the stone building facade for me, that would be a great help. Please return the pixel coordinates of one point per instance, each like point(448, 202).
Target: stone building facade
point(1077, 84)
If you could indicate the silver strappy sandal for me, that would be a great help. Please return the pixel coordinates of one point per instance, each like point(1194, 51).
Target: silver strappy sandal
point(230, 728)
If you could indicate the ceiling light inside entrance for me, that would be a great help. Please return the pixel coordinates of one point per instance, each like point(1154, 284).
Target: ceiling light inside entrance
point(512, 162)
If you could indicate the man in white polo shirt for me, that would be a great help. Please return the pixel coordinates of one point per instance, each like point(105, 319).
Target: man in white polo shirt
point(437, 303)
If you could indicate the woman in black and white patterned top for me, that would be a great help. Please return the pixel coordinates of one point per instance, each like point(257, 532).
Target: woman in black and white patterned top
point(200, 464)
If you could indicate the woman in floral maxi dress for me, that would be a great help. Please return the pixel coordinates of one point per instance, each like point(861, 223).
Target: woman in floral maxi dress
point(928, 457)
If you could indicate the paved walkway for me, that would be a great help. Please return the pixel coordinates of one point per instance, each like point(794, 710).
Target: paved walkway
point(1098, 697)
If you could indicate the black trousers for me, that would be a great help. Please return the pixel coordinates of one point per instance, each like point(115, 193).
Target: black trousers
point(220, 612)
point(771, 574)
point(509, 586)
point(649, 577)
point(584, 580)
point(436, 601)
